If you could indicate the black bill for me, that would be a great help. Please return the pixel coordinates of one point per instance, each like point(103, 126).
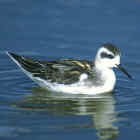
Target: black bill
point(124, 71)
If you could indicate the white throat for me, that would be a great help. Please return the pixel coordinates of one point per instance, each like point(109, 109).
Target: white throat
point(108, 77)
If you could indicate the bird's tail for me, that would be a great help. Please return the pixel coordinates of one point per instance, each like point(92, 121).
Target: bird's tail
point(28, 65)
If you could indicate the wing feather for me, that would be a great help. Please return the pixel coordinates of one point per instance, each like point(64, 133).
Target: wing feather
point(64, 71)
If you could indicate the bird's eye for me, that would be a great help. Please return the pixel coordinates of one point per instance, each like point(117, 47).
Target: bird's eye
point(105, 55)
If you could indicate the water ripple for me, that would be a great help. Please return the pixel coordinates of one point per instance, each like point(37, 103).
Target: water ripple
point(108, 112)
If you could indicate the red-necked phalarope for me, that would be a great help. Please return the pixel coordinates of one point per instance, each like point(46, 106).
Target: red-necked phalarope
point(75, 76)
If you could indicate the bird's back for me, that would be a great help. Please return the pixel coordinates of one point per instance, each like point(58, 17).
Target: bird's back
point(62, 71)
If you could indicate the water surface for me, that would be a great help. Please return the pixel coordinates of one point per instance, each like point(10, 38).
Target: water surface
point(73, 29)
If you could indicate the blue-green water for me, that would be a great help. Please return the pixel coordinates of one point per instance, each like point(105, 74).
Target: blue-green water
point(68, 29)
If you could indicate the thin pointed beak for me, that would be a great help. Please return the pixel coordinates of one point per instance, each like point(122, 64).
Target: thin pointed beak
point(124, 71)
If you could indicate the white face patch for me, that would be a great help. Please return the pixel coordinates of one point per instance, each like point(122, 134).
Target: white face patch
point(116, 60)
point(105, 50)
point(107, 60)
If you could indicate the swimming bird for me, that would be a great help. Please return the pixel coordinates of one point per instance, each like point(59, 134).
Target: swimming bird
point(75, 76)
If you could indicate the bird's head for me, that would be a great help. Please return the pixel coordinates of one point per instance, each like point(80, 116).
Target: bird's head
point(108, 56)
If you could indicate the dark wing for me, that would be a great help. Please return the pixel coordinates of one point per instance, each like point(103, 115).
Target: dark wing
point(65, 71)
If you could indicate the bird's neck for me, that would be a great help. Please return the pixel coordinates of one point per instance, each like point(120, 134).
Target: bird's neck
point(108, 77)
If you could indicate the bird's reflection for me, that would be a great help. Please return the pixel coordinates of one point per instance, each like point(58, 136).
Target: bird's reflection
point(101, 108)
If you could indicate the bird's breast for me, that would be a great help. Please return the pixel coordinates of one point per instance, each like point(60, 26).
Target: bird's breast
point(109, 78)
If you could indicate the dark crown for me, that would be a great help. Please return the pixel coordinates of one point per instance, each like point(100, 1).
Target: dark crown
point(112, 48)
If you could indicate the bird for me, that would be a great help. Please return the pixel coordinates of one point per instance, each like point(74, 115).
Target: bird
point(75, 76)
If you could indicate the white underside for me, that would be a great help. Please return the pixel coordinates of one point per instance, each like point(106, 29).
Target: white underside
point(77, 88)
point(81, 87)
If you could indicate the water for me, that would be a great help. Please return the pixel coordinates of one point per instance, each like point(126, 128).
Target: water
point(75, 28)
